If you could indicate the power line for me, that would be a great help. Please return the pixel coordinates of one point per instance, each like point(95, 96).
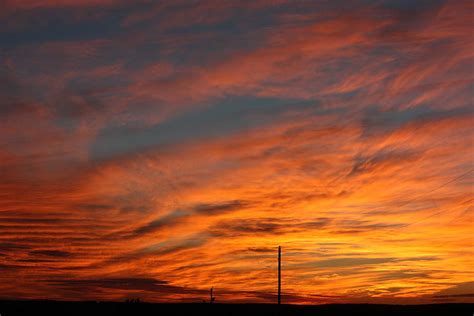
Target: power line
point(431, 191)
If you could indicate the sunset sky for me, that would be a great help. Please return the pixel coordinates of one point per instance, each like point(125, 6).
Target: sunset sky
point(156, 149)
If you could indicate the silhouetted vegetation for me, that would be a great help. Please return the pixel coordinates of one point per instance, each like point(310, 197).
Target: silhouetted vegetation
point(132, 301)
point(20, 308)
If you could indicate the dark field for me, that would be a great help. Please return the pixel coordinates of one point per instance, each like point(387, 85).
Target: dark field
point(10, 308)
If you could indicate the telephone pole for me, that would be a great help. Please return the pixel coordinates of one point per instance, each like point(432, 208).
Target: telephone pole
point(279, 275)
point(212, 297)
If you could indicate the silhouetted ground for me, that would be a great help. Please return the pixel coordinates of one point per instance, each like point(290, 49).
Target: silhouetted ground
point(10, 308)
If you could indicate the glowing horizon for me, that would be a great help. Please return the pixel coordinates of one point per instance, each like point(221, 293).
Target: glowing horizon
point(157, 149)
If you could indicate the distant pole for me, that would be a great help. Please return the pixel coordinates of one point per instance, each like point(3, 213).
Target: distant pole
point(279, 275)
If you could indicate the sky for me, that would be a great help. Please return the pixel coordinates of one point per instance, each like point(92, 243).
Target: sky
point(156, 149)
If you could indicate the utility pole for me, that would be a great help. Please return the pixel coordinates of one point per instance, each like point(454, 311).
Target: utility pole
point(279, 275)
point(212, 298)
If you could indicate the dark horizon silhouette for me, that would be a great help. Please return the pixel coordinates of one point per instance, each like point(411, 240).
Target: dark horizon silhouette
point(14, 308)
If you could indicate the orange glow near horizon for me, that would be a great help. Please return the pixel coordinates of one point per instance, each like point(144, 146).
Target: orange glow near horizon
point(158, 150)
